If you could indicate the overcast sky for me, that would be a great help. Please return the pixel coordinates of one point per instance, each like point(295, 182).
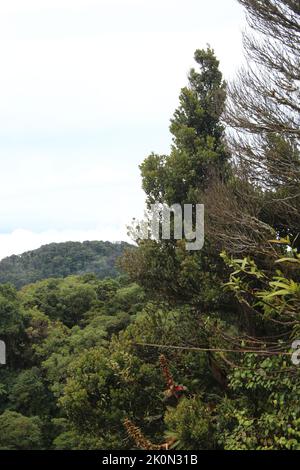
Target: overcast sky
point(87, 88)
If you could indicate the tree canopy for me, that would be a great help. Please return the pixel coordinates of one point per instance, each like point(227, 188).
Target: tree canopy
point(188, 350)
point(61, 260)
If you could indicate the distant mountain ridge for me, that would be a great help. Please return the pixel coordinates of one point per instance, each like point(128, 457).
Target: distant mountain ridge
point(61, 260)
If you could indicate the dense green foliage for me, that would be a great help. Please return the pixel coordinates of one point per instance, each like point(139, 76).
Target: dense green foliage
point(189, 350)
point(61, 260)
point(198, 148)
point(50, 328)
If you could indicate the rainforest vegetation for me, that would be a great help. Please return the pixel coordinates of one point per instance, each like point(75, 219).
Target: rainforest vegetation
point(61, 260)
point(181, 349)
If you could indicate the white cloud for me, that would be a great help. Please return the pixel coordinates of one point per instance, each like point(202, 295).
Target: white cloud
point(87, 88)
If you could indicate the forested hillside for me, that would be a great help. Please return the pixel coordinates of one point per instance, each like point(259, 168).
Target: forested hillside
point(186, 349)
point(62, 259)
point(48, 327)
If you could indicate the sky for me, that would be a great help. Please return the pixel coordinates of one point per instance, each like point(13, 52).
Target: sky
point(87, 89)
